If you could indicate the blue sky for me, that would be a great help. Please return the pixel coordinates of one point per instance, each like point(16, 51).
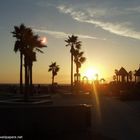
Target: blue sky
point(109, 31)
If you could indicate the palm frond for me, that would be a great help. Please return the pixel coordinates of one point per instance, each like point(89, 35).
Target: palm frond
point(54, 68)
point(17, 46)
point(67, 41)
point(78, 46)
point(82, 59)
point(80, 54)
point(39, 50)
point(50, 69)
point(57, 68)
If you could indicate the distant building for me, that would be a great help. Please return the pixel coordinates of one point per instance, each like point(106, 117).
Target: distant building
point(122, 75)
point(137, 75)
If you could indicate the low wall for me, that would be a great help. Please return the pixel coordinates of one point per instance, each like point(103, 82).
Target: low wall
point(32, 118)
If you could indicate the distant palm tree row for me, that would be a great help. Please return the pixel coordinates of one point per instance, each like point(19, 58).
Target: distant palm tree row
point(27, 43)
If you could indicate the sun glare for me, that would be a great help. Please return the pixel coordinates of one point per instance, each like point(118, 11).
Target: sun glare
point(91, 73)
point(44, 40)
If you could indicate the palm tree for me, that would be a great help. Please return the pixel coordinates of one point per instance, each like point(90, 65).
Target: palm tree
point(34, 46)
point(114, 77)
point(27, 43)
point(73, 42)
point(54, 69)
point(19, 33)
point(97, 76)
point(79, 60)
point(117, 76)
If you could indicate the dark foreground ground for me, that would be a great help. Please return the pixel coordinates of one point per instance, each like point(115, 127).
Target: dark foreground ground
point(61, 116)
point(107, 118)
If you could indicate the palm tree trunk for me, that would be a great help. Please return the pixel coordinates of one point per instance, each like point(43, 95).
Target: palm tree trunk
point(26, 79)
point(71, 70)
point(52, 80)
point(77, 72)
point(30, 78)
point(21, 79)
point(77, 80)
point(26, 90)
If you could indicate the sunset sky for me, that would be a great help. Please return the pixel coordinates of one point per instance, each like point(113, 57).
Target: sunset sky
point(109, 31)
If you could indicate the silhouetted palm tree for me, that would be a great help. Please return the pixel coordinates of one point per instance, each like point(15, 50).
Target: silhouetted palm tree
point(27, 43)
point(19, 33)
point(54, 69)
point(114, 77)
point(73, 42)
point(79, 60)
point(116, 72)
point(34, 45)
point(97, 77)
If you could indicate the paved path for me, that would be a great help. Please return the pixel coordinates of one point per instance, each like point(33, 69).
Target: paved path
point(116, 119)
point(111, 118)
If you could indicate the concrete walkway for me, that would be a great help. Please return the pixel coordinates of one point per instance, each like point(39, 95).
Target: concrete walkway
point(116, 119)
point(111, 117)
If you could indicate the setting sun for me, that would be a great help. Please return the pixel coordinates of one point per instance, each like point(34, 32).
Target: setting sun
point(91, 73)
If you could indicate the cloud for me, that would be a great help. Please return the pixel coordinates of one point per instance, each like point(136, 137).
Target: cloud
point(118, 29)
point(121, 29)
point(133, 9)
point(53, 33)
point(75, 14)
point(96, 12)
point(58, 34)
